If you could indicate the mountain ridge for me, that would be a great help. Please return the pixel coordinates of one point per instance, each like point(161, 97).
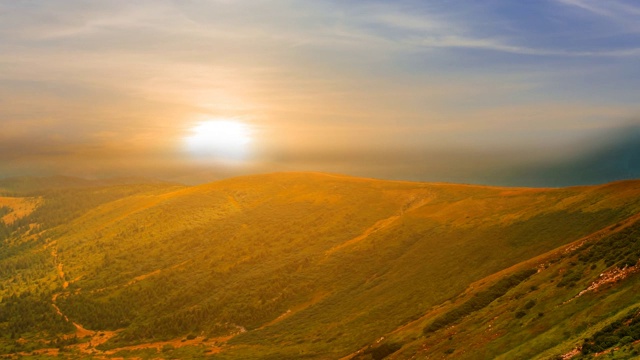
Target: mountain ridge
point(279, 265)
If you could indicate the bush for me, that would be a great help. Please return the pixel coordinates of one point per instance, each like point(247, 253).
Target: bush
point(623, 331)
point(530, 304)
point(631, 260)
point(569, 279)
point(479, 301)
point(626, 340)
point(382, 351)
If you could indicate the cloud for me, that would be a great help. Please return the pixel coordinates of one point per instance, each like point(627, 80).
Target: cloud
point(612, 9)
point(115, 78)
point(619, 13)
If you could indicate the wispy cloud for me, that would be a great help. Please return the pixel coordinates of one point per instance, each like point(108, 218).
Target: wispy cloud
point(135, 75)
point(621, 13)
point(611, 8)
point(435, 30)
point(496, 45)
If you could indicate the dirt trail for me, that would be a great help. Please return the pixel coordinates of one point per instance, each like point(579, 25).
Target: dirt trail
point(608, 277)
point(96, 337)
point(100, 337)
point(232, 199)
point(55, 306)
point(153, 273)
point(213, 344)
point(65, 284)
point(81, 331)
point(60, 272)
point(574, 352)
point(379, 225)
point(409, 206)
point(316, 299)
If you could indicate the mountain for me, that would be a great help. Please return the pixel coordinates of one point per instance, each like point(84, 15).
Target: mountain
point(318, 266)
point(580, 301)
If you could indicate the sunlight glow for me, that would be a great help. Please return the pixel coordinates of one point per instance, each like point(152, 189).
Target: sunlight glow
point(219, 140)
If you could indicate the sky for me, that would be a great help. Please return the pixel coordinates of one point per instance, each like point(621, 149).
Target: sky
point(531, 93)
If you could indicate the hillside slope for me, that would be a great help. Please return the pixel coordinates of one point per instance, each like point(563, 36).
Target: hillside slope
point(296, 265)
point(577, 302)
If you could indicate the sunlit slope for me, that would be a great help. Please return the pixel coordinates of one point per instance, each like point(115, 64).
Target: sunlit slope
point(580, 301)
point(305, 263)
point(29, 274)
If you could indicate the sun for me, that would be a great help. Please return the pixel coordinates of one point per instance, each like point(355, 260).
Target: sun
point(219, 139)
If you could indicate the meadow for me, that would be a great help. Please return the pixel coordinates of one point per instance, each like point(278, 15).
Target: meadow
point(310, 265)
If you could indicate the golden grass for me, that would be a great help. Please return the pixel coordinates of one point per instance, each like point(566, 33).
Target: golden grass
point(20, 207)
point(316, 263)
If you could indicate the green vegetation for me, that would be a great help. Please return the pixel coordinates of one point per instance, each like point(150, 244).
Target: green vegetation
point(380, 352)
point(4, 210)
point(30, 313)
point(480, 300)
point(595, 310)
point(619, 332)
point(309, 266)
point(28, 268)
point(621, 249)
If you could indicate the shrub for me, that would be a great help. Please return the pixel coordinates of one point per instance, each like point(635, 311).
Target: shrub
point(623, 331)
point(479, 301)
point(530, 304)
point(631, 260)
point(382, 351)
point(569, 279)
point(626, 340)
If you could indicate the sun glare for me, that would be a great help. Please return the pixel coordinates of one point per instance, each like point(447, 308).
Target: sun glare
point(219, 140)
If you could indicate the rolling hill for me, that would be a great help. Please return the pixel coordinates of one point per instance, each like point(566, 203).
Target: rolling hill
point(318, 266)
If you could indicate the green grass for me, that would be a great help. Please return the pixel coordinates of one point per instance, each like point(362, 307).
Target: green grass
point(283, 258)
point(538, 319)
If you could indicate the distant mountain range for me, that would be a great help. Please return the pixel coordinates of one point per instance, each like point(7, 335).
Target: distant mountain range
point(35, 184)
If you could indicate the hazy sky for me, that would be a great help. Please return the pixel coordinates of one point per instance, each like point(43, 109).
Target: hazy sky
point(465, 91)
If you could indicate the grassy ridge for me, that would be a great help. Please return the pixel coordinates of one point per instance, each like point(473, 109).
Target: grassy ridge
point(231, 236)
point(304, 265)
point(584, 298)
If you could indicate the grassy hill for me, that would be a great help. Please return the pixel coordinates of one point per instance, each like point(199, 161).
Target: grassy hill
point(580, 301)
point(307, 265)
